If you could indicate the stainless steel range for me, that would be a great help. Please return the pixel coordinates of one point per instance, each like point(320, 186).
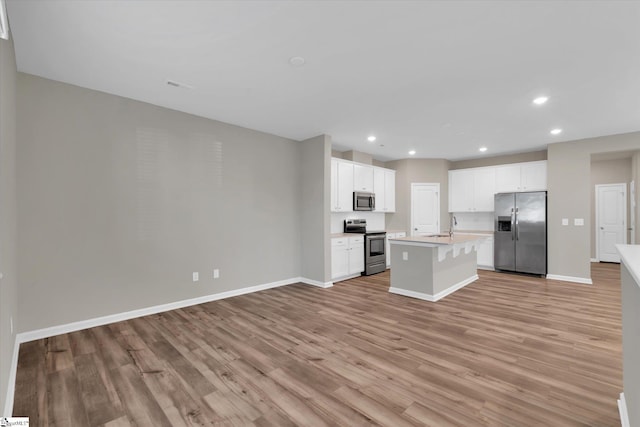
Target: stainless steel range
point(375, 259)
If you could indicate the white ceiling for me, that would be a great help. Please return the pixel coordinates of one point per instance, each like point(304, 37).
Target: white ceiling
point(440, 77)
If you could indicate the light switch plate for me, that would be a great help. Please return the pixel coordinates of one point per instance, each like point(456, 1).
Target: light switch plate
point(196, 276)
point(565, 221)
point(578, 221)
point(405, 256)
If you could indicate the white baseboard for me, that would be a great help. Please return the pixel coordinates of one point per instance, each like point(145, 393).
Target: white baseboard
point(622, 409)
point(583, 280)
point(595, 260)
point(315, 282)
point(439, 295)
point(118, 317)
point(8, 403)
point(486, 267)
point(352, 276)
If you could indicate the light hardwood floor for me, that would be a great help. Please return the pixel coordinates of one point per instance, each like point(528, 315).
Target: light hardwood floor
point(506, 350)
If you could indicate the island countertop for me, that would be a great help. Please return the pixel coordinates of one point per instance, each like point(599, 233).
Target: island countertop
point(457, 238)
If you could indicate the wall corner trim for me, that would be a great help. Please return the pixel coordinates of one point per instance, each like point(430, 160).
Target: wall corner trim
point(622, 409)
point(583, 280)
point(13, 369)
point(595, 260)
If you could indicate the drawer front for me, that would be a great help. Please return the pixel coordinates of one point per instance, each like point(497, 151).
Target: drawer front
point(359, 239)
point(342, 241)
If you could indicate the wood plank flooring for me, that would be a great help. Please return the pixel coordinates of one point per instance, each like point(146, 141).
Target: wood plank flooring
point(506, 350)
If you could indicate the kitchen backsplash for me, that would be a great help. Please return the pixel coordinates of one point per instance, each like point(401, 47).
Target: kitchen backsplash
point(474, 221)
point(375, 220)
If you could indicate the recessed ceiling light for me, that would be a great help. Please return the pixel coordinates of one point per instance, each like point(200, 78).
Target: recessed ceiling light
point(297, 61)
point(556, 131)
point(412, 152)
point(540, 100)
point(482, 149)
point(371, 138)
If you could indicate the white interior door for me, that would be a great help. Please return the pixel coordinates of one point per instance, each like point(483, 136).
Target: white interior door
point(611, 220)
point(632, 213)
point(425, 209)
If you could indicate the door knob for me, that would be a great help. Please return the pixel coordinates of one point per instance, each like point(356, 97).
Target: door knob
point(601, 228)
point(415, 229)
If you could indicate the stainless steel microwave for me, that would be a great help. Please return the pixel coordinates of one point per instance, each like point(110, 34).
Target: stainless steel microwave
point(363, 201)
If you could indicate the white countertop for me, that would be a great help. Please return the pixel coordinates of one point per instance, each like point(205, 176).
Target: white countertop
point(340, 235)
point(437, 241)
point(630, 255)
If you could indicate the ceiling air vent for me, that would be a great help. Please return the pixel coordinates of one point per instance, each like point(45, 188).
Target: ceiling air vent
point(177, 84)
point(4, 23)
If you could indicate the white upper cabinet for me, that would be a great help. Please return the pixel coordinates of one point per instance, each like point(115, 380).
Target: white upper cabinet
point(341, 186)
point(384, 187)
point(460, 190)
point(484, 182)
point(390, 190)
point(531, 176)
point(379, 189)
point(347, 177)
point(471, 190)
point(362, 178)
point(507, 179)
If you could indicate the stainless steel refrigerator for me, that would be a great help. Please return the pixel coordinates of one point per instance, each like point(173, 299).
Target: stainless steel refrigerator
point(521, 232)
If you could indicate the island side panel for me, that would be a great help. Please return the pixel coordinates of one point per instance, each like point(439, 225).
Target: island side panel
point(452, 271)
point(631, 344)
point(416, 273)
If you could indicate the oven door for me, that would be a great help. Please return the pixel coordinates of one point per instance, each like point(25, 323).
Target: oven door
point(375, 259)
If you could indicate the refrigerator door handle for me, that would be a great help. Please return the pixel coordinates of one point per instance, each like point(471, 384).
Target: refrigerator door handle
point(512, 224)
point(517, 228)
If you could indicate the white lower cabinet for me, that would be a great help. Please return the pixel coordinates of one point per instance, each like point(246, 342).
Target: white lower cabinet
point(347, 256)
point(485, 253)
point(388, 247)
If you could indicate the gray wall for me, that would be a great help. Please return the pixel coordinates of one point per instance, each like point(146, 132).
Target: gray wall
point(417, 170)
point(569, 196)
point(120, 201)
point(9, 283)
point(315, 220)
point(608, 172)
point(358, 156)
point(500, 160)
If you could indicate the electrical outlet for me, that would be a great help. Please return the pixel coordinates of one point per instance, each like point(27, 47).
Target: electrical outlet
point(216, 273)
point(196, 276)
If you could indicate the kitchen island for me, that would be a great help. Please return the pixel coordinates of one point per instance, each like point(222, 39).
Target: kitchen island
point(432, 267)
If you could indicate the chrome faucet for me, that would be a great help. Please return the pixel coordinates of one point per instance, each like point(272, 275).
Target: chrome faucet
point(452, 223)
